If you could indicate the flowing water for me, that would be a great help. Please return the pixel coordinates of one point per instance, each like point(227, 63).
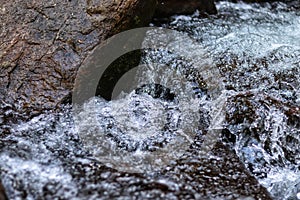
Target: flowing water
point(253, 53)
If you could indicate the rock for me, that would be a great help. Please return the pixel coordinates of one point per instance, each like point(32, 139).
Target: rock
point(251, 115)
point(43, 44)
point(167, 8)
point(220, 176)
point(2, 193)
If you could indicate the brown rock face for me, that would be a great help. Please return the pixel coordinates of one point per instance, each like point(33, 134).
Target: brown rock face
point(171, 7)
point(42, 44)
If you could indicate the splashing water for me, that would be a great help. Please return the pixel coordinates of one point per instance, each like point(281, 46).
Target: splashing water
point(157, 122)
point(257, 51)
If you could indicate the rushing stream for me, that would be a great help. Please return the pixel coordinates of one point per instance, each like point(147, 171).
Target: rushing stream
point(258, 50)
point(254, 53)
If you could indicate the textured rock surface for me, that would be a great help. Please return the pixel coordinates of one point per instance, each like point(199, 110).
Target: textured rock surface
point(44, 42)
point(222, 176)
point(171, 7)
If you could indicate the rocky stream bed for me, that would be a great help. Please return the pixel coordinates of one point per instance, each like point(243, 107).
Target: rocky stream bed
point(254, 59)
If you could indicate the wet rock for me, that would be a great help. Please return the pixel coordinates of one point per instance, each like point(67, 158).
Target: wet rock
point(2, 193)
point(43, 44)
point(74, 174)
point(167, 8)
point(219, 176)
point(256, 119)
